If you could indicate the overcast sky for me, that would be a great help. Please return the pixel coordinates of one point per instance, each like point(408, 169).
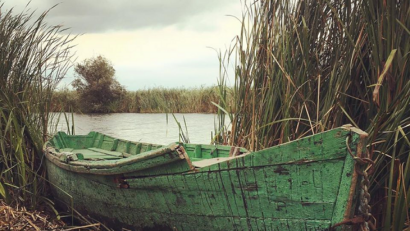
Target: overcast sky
point(151, 43)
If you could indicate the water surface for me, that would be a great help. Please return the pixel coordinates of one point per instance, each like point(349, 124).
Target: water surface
point(150, 128)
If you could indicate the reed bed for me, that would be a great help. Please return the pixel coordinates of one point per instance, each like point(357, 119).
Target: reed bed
point(303, 67)
point(177, 100)
point(155, 100)
point(33, 59)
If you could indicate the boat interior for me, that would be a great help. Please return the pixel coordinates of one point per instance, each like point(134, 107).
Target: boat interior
point(97, 146)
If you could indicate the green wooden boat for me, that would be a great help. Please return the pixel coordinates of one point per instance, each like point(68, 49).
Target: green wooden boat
point(307, 184)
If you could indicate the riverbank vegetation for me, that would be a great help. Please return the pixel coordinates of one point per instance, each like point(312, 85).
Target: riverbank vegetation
point(96, 90)
point(155, 100)
point(34, 57)
point(300, 68)
point(312, 66)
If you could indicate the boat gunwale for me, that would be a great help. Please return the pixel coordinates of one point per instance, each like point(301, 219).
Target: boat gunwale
point(105, 167)
point(86, 166)
point(122, 161)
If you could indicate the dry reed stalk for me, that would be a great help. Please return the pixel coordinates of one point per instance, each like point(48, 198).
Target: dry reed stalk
point(18, 218)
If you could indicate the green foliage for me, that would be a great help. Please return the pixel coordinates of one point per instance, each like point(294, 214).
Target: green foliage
point(33, 59)
point(65, 101)
point(307, 66)
point(156, 100)
point(96, 85)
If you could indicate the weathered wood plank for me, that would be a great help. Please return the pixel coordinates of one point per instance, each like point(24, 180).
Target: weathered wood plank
point(121, 146)
point(143, 161)
point(297, 186)
point(100, 141)
point(172, 168)
point(349, 178)
point(208, 162)
point(99, 150)
point(155, 207)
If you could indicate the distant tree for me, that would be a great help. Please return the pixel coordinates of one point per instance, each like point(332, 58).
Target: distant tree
point(96, 85)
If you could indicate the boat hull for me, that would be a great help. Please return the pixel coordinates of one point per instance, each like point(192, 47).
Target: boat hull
point(308, 184)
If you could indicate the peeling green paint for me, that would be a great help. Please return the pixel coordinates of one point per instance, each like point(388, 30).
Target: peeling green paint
point(307, 184)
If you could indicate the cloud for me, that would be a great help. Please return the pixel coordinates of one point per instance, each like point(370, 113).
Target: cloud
point(151, 43)
point(90, 16)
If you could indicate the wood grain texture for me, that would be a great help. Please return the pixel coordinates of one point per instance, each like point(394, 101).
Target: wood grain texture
point(302, 185)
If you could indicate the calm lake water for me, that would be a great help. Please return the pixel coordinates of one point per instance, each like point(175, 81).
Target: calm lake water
point(150, 128)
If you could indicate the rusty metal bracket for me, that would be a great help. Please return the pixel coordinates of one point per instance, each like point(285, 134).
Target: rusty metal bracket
point(121, 182)
point(362, 166)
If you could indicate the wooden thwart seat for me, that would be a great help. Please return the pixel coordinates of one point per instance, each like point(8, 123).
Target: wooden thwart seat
point(98, 154)
point(208, 162)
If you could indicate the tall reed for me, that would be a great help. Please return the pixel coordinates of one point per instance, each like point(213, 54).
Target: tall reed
point(302, 67)
point(33, 59)
point(176, 100)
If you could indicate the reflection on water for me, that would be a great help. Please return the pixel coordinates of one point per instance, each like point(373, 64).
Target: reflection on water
point(150, 128)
